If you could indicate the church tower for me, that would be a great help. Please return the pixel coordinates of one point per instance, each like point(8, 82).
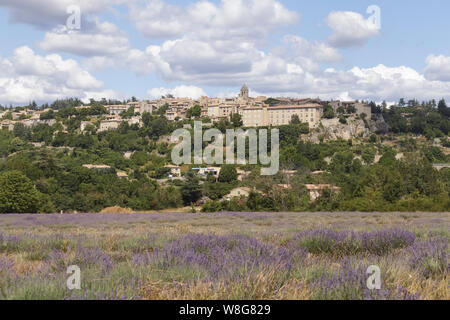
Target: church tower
point(244, 92)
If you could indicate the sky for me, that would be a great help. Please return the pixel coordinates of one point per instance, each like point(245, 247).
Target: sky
point(115, 49)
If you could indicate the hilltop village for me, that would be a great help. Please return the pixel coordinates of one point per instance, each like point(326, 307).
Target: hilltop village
point(71, 156)
point(254, 112)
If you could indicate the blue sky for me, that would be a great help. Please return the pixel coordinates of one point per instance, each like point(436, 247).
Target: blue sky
point(146, 48)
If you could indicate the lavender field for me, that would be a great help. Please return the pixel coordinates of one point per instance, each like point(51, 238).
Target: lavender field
point(225, 255)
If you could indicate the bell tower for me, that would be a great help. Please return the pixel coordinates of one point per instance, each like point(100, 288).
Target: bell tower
point(244, 92)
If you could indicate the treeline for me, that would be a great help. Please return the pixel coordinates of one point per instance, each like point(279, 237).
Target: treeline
point(427, 118)
point(390, 185)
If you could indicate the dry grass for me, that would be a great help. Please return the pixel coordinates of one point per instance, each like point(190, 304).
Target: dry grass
point(118, 235)
point(116, 210)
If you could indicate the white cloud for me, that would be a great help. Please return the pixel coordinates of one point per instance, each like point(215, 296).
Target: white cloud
point(438, 68)
point(384, 83)
point(27, 76)
point(350, 29)
point(105, 39)
point(316, 51)
point(50, 14)
point(178, 92)
point(98, 63)
point(231, 19)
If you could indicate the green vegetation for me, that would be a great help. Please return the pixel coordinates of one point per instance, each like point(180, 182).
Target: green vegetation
point(381, 173)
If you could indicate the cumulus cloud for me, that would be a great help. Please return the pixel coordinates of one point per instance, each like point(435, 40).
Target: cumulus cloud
point(49, 14)
point(231, 19)
point(105, 39)
point(380, 83)
point(350, 29)
point(27, 76)
point(98, 63)
point(178, 92)
point(438, 68)
point(279, 74)
point(206, 43)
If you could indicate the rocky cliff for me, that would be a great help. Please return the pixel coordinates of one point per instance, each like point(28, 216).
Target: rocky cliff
point(332, 129)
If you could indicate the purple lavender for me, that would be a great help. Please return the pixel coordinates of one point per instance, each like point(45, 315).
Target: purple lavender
point(224, 257)
point(345, 243)
point(430, 257)
point(349, 283)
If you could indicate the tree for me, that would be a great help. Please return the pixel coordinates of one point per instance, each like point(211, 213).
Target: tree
point(295, 119)
point(191, 190)
point(228, 173)
point(328, 112)
point(21, 131)
point(18, 194)
point(194, 112)
point(236, 120)
point(128, 114)
point(351, 109)
point(443, 109)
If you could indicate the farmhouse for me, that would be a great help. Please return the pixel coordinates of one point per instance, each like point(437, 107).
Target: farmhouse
point(175, 171)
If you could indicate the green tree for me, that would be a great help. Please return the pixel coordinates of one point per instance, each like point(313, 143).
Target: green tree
point(328, 112)
point(236, 120)
point(228, 173)
point(295, 119)
point(18, 194)
point(443, 109)
point(351, 109)
point(191, 190)
point(194, 112)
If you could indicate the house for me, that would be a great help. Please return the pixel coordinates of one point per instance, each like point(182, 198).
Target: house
point(116, 109)
point(215, 171)
point(175, 171)
point(8, 124)
point(122, 174)
point(315, 190)
point(111, 123)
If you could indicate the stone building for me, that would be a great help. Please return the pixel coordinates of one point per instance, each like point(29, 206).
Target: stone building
point(281, 115)
point(116, 109)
